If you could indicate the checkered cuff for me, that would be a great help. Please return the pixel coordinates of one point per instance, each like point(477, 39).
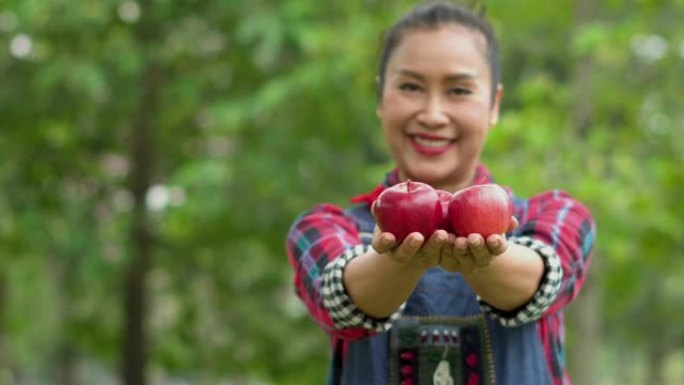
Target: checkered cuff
point(548, 288)
point(336, 300)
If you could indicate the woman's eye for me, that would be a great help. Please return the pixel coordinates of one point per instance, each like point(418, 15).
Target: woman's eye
point(460, 91)
point(409, 87)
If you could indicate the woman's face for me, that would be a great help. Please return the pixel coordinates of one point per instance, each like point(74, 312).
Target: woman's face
point(436, 105)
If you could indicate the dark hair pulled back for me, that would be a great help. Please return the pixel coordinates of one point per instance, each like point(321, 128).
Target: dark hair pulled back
point(432, 16)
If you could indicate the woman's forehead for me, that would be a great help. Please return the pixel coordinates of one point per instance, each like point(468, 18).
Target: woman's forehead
point(446, 45)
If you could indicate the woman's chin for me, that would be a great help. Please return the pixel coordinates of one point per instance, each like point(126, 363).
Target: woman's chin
point(427, 176)
point(439, 178)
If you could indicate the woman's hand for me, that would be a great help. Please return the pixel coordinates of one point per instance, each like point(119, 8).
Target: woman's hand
point(415, 250)
point(468, 254)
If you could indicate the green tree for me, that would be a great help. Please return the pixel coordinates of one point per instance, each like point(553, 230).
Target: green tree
point(162, 149)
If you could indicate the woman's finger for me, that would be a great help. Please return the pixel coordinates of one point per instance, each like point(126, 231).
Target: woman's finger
point(496, 244)
point(409, 247)
point(383, 242)
point(478, 249)
point(513, 224)
point(435, 243)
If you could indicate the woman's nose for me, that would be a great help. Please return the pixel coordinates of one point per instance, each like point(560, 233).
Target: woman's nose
point(433, 114)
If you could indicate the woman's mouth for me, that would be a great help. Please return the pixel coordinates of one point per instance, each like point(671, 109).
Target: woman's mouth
point(427, 145)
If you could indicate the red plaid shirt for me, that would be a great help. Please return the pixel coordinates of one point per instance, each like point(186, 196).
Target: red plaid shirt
point(321, 235)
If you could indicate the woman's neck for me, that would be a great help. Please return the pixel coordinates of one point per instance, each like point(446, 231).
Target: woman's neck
point(450, 185)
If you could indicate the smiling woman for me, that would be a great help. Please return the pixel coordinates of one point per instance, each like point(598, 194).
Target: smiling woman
point(436, 107)
point(442, 308)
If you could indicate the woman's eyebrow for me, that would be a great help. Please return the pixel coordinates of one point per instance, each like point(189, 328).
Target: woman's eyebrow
point(463, 75)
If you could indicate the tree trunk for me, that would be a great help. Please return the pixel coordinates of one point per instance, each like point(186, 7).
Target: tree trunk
point(135, 297)
point(584, 315)
point(656, 362)
point(583, 106)
point(67, 365)
point(142, 160)
point(66, 360)
point(6, 372)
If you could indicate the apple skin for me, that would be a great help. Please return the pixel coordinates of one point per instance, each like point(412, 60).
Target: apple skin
point(445, 201)
point(482, 209)
point(408, 207)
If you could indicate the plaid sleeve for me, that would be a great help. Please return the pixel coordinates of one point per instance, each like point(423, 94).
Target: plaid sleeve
point(555, 219)
point(317, 238)
point(548, 288)
point(336, 300)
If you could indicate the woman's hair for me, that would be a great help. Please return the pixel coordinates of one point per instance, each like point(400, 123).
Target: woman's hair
point(432, 16)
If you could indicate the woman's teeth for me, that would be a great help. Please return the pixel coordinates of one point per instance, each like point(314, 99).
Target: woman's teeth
point(431, 142)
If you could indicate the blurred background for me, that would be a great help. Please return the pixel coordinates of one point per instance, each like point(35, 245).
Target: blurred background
point(153, 154)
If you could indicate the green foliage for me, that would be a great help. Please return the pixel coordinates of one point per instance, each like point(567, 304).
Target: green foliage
point(266, 108)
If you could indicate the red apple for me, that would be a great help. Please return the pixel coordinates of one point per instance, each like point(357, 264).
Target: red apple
point(408, 207)
point(483, 209)
point(445, 201)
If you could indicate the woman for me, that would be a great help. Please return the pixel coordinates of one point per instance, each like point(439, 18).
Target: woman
point(447, 309)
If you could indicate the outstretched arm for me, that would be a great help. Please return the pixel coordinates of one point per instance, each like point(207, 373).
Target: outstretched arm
point(380, 280)
point(502, 273)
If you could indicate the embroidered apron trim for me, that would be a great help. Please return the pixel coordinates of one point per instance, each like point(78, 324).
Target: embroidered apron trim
point(441, 351)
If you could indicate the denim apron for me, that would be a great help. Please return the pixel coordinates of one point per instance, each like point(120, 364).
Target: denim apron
point(442, 338)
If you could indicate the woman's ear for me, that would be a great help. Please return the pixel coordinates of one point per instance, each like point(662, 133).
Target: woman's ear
point(496, 103)
point(378, 96)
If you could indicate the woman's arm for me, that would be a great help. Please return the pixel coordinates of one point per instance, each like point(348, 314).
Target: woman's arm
point(380, 280)
point(560, 231)
point(316, 239)
point(351, 289)
point(510, 280)
point(566, 226)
